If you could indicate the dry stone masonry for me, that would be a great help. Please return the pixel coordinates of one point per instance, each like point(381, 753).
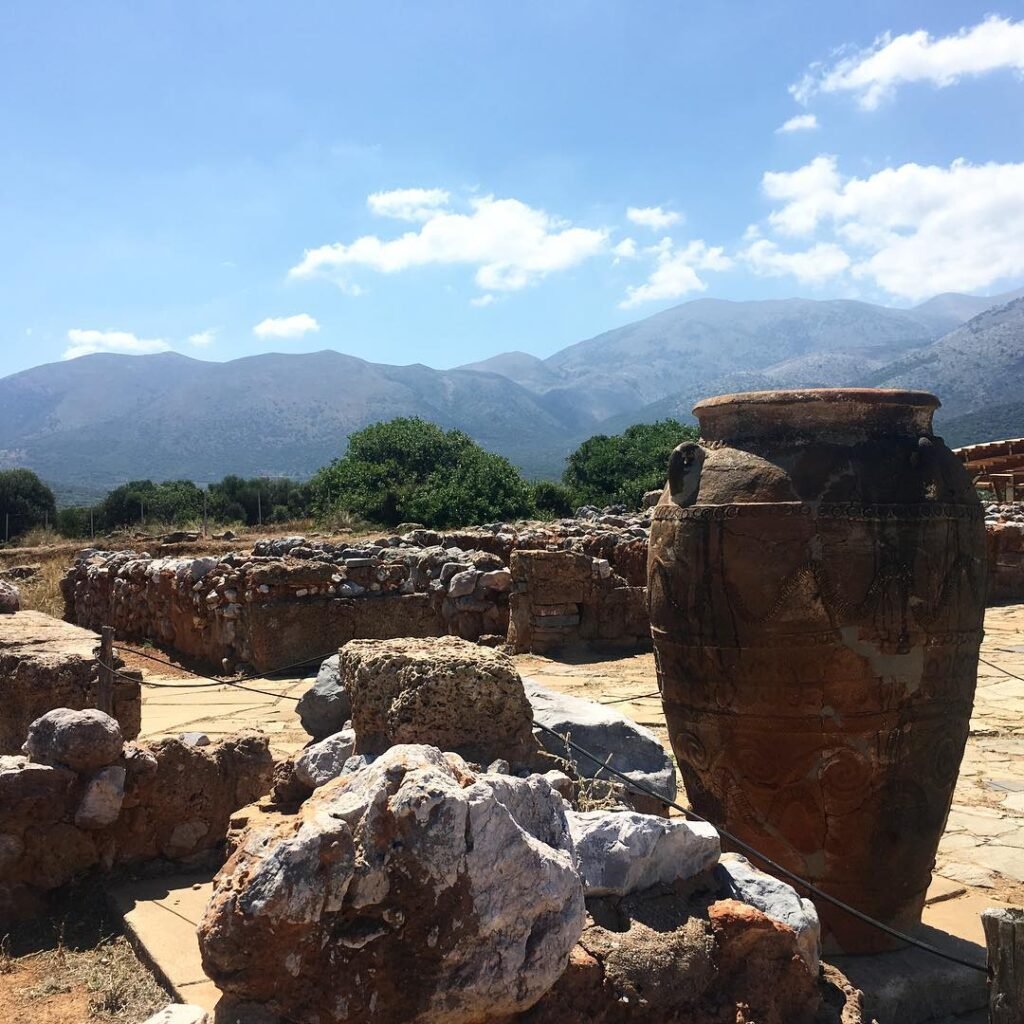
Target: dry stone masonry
point(79, 799)
point(289, 597)
point(46, 664)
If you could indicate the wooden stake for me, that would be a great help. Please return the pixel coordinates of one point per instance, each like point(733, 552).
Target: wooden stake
point(1004, 936)
point(105, 694)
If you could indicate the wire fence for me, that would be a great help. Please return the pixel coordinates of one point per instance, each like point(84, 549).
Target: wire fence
point(631, 784)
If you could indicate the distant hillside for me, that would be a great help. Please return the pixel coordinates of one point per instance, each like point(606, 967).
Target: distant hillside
point(91, 423)
point(99, 420)
point(978, 372)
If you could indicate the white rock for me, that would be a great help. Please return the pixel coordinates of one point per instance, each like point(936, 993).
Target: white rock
point(609, 735)
point(779, 900)
point(463, 583)
point(498, 579)
point(101, 802)
point(410, 891)
point(323, 761)
point(619, 852)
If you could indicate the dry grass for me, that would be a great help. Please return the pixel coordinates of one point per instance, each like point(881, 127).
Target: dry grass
point(71, 966)
point(41, 592)
point(53, 553)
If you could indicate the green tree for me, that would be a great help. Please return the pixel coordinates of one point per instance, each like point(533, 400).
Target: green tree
point(411, 469)
point(173, 501)
point(619, 469)
point(25, 501)
point(552, 499)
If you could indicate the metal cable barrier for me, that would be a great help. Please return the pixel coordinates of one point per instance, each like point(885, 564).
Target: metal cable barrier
point(631, 784)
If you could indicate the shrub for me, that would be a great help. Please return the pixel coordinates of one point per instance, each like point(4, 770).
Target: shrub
point(552, 500)
point(618, 470)
point(25, 502)
point(408, 469)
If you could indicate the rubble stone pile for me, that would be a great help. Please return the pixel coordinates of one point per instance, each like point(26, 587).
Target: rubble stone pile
point(421, 869)
point(1004, 532)
point(277, 603)
point(79, 798)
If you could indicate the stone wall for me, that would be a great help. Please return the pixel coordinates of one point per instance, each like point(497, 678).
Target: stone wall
point(291, 598)
point(566, 599)
point(46, 664)
point(1005, 546)
point(169, 801)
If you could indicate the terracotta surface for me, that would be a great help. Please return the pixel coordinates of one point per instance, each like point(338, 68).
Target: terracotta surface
point(817, 578)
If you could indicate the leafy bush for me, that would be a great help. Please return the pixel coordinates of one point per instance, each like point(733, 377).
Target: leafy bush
point(618, 470)
point(25, 502)
point(173, 501)
point(408, 469)
point(552, 499)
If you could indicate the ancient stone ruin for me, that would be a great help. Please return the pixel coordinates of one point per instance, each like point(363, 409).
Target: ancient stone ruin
point(464, 881)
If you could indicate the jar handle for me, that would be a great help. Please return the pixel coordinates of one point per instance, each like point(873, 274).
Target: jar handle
point(684, 468)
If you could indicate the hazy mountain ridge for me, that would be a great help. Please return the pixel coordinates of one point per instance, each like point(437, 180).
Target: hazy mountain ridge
point(102, 419)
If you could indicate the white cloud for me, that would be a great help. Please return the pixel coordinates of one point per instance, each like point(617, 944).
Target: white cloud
point(798, 123)
point(625, 250)
point(510, 243)
point(203, 338)
point(675, 273)
point(875, 73)
point(653, 217)
point(913, 230)
point(88, 342)
point(482, 300)
point(288, 327)
point(415, 204)
point(819, 263)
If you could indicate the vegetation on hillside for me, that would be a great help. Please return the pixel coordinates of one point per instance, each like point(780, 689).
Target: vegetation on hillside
point(403, 470)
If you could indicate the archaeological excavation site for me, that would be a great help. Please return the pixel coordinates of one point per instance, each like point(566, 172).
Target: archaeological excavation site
point(750, 754)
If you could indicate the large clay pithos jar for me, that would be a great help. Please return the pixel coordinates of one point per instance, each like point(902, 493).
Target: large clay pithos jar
point(816, 582)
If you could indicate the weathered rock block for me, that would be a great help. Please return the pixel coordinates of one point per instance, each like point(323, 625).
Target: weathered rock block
point(609, 735)
point(740, 880)
point(324, 708)
point(320, 762)
point(409, 891)
point(83, 741)
point(620, 852)
point(442, 691)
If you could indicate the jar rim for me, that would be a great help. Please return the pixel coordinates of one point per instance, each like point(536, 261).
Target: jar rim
point(808, 396)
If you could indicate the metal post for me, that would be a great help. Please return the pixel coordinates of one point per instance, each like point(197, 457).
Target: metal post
point(105, 686)
point(1004, 936)
point(92, 528)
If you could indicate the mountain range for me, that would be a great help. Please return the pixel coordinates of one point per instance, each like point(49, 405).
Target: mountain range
point(98, 420)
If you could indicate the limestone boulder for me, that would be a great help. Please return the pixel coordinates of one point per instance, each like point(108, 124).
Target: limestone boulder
point(612, 737)
point(740, 880)
point(411, 890)
point(320, 762)
point(441, 691)
point(102, 799)
point(621, 852)
point(324, 707)
point(83, 741)
point(10, 598)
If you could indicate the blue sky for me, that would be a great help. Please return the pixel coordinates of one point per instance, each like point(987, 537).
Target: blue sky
point(441, 181)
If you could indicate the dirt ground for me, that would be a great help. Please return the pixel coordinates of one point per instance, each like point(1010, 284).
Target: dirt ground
point(71, 966)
